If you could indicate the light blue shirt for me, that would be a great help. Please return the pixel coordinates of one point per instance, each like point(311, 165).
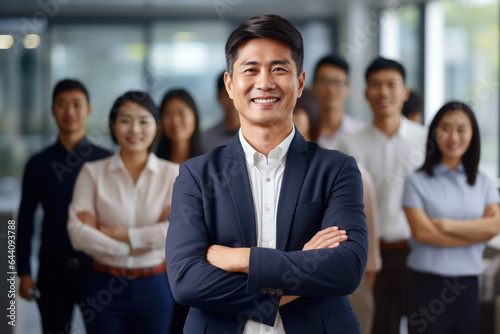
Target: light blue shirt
point(448, 195)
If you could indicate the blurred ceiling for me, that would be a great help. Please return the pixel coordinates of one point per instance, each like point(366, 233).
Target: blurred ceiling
point(230, 9)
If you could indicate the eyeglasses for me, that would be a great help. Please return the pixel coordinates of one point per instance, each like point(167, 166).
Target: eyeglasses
point(334, 83)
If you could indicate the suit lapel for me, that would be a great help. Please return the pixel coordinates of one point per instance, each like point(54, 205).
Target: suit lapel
point(293, 178)
point(239, 187)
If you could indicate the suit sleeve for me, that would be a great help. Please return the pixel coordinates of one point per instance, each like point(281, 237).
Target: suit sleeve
point(194, 281)
point(29, 201)
point(323, 272)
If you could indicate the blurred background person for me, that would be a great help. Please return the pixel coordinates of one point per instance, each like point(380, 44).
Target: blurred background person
point(363, 300)
point(48, 180)
point(180, 139)
point(331, 86)
point(453, 210)
point(413, 109)
point(390, 149)
point(119, 217)
point(224, 131)
point(306, 115)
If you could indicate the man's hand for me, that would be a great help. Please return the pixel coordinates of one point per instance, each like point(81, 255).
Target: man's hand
point(137, 252)
point(370, 278)
point(87, 218)
point(118, 233)
point(25, 286)
point(330, 237)
point(164, 215)
point(229, 259)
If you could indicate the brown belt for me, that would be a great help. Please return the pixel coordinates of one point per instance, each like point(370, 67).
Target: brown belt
point(132, 272)
point(402, 245)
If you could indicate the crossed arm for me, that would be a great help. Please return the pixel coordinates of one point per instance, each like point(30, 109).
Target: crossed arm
point(448, 232)
point(238, 259)
point(199, 278)
point(88, 235)
point(117, 233)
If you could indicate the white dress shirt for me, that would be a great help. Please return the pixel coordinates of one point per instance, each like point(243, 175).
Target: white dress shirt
point(349, 125)
point(389, 161)
point(105, 189)
point(266, 175)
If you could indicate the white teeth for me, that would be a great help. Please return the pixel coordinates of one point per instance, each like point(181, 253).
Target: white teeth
point(265, 100)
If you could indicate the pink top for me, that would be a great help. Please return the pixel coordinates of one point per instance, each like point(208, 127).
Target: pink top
point(105, 189)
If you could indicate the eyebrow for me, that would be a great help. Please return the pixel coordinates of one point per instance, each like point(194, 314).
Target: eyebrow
point(129, 116)
point(274, 62)
point(63, 99)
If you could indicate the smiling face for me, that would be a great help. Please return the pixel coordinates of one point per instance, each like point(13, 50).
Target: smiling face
point(178, 120)
point(134, 128)
point(386, 92)
point(453, 136)
point(265, 84)
point(70, 110)
point(331, 87)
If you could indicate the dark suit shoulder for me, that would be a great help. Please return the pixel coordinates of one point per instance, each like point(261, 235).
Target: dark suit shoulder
point(324, 155)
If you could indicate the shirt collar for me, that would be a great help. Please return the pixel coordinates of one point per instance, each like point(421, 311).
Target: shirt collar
point(401, 132)
point(279, 153)
point(441, 169)
point(83, 142)
point(117, 163)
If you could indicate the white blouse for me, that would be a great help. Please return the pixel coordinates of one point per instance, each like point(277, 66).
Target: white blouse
point(105, 189)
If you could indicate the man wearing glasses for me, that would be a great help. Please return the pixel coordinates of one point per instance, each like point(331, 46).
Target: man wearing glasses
point(331, 86)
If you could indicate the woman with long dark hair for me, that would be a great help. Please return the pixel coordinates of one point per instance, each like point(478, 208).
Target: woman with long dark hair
point(119, 217)
point(180, 127)
point(452, 209)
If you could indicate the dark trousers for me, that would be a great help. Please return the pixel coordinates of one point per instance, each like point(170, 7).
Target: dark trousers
point(61, 281)
point(118, 304)
point(389, 291)
point(442, 305)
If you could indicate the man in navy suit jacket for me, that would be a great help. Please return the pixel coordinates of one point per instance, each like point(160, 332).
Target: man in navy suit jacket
point(267, 233)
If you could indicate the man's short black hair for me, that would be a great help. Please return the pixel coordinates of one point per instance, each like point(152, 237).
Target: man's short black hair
point(265, 26)
point(332, 60)
point(69, 84)
point(381, 63)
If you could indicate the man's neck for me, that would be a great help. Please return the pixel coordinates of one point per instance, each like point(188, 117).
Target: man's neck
point(330, 121)
point(70, 140)
point(388, 125)
point(265, 139)
point(232, 124)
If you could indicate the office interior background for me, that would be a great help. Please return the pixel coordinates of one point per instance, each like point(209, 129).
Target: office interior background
point(450, 49)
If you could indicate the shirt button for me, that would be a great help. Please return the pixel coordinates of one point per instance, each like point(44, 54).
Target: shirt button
point(279, 291)
point(267, 208)
point(268, 179)
point(268, 329)
point(272, 291)
point(263, 290)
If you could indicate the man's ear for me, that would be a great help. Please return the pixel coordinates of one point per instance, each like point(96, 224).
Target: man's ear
point(407, 94)
point(228, 82)
point(301, 80)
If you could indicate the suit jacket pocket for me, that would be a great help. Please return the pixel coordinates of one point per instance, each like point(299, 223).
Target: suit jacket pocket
point(342, 323)
point(308, 208)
